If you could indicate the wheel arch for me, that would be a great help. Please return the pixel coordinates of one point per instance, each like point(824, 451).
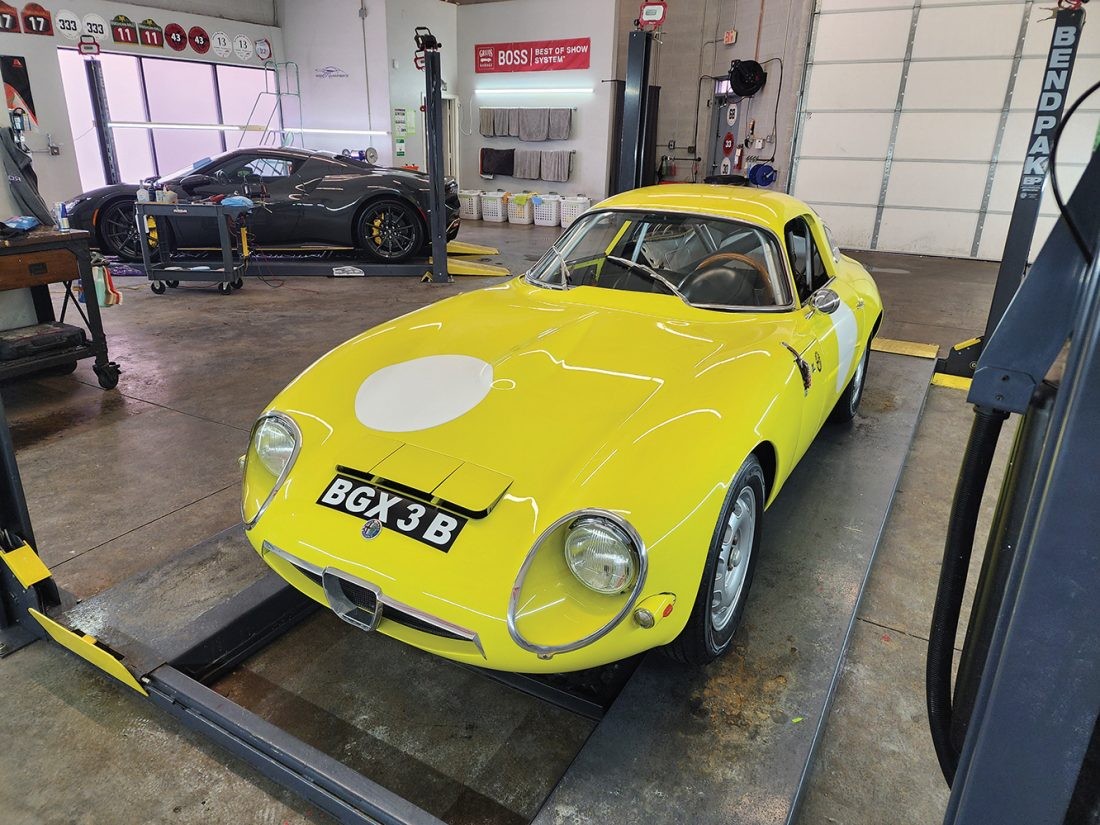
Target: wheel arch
point(768, 457)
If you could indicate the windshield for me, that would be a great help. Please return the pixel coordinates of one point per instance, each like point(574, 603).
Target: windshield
point(186, 170)
point(704, 261)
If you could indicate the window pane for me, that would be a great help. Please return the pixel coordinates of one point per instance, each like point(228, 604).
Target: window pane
point(182, 92)
point(244, 103)
point(79, 104)
point(122, 80)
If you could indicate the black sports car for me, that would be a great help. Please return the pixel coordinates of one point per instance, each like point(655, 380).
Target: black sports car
point(303, 199)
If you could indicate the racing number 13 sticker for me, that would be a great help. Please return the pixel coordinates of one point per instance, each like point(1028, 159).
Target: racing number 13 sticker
point(223, 46)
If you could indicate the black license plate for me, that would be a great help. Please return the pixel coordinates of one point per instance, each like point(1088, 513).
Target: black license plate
point(428, 525)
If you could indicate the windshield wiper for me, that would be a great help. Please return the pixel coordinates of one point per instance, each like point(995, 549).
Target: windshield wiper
point(651, 272)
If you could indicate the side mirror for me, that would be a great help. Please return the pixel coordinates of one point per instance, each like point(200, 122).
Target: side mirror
point(825, 300)
point(195, 181)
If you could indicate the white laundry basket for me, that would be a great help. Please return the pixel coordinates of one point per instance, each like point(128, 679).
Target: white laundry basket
point(469, 204)
point(493, 208)
point(572, 208)
point(548, 210)
point(521, 208)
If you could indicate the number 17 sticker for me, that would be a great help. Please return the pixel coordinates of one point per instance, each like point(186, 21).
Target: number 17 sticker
point(37, 20)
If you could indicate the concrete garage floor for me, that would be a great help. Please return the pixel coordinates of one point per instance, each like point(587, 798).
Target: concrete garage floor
point(121, 482)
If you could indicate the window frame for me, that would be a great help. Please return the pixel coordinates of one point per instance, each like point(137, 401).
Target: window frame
point(827, 261)
point(784, 276)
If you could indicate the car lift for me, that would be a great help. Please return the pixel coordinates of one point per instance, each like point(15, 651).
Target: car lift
point(1069, 19)
point(1019, 737)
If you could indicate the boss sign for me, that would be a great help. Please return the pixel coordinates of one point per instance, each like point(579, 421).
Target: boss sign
point(533, 56)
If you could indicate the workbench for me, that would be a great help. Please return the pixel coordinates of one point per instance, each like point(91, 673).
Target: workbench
point(167, 270)
point(47, 256)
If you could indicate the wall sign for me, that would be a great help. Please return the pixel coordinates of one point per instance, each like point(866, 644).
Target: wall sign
point(263, 48)
point(96, 26)
point(123, 30)
point(175, 36)
point(9, 19)
point(150, 34)
point(68, 24)
point(223, 46)
point(37, 20)
point(533, 56)
point(242, 47)
point(17, 85)
point(199, 39)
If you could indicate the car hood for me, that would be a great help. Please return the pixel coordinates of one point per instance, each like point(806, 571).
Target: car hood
point(535, 386)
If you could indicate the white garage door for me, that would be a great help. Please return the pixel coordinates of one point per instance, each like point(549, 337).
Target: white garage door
point(923, 153)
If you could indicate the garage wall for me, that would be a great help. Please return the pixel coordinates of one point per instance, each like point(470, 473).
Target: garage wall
point(58, 176)
point(519, 20)
point(690, 46)
point(953, 118)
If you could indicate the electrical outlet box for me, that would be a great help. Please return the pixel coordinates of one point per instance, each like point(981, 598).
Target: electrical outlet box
point(55, 150)
point(758, 143)
point(730, 37)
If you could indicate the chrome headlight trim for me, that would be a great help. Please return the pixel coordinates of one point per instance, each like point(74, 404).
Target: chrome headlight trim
point(291, 425)
point(547, 651)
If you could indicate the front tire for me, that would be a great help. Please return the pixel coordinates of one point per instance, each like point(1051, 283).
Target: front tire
point(848, 404)
point(390, 231)
point(118, 231)
point(728, 573)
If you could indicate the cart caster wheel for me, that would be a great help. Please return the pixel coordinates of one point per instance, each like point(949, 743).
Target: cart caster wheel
point(157, 287)
point(172, 284)
point(225, 288)
point(238, 284)
point(108, 374)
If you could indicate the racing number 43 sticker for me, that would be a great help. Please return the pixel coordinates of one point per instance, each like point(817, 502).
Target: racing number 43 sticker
point(428, 525)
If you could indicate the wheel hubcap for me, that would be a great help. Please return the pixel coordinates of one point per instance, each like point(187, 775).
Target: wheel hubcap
point(733, 559)
point(391, 232)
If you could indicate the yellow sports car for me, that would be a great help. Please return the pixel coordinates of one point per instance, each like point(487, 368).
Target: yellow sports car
point(571, 467)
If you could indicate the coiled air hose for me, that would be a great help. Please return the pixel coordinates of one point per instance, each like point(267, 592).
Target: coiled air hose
point(957, 550)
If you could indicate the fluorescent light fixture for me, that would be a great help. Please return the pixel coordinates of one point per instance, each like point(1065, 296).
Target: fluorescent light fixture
point(213, 127)
point(335, 131)
point(519, 91)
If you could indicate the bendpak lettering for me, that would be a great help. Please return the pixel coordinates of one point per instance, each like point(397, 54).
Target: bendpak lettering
point(1052, 101)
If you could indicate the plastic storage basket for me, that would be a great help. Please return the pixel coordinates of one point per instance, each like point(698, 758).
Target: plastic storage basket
point(572, 208)
point(521, 208)
point(493, 208)
point(548, 210)
point(469, 204)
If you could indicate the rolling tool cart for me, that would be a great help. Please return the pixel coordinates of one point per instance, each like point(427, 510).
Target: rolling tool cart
point(35, 260)
point(167, 271)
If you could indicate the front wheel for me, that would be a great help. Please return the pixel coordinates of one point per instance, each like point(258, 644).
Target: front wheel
point(118, 231)
point(390, 231)
point(848, 404)
point(727, 575)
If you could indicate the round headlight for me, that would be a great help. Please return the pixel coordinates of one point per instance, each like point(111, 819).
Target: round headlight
point(274, 443)
point(601, 555)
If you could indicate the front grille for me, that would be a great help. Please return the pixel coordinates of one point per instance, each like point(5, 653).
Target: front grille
point(393, 614)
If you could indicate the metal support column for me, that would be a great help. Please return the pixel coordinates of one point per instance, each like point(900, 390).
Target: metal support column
point(635, 110)
point(428, 50)
point(101, 116)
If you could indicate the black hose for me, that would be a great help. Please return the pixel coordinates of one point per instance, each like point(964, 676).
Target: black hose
point(977, 459)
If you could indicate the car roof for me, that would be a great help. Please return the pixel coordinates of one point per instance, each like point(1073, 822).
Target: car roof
point(759, 206)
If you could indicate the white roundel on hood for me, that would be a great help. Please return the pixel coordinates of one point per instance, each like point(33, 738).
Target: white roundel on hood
point(422, 393)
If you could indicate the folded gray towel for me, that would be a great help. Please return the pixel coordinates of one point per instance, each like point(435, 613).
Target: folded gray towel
point(513, 122)
point(528, 164)
point(485, 118)
point(500, 122)
point(561, 124)
point(534, 124)
point(555, 165)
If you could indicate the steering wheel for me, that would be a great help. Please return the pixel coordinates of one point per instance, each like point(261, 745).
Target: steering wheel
point(722, 257)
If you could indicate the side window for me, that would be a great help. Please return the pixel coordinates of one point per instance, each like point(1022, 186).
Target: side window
point(807, 266)
point(269, 169)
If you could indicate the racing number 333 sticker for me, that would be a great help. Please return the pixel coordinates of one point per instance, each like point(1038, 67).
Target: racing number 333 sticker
point(428, 525)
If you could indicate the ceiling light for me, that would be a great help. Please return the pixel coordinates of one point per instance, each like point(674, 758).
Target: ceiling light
point(335, 131)
point(133, 124)
point(518, 91)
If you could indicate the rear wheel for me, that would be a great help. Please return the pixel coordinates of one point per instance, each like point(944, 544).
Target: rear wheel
point(118, 231)
point(727, 575)
point(390, 231)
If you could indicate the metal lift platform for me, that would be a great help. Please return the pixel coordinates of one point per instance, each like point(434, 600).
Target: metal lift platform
point(343, 718)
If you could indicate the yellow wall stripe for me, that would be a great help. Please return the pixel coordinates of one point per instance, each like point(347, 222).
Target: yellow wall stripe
point(905, 348)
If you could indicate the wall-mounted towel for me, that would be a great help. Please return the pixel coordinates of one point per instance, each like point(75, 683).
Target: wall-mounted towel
point(528, 164)
point(498, 161)
point(485, 121)
point(500, 122)
point(534, 124)
point(513, 122)
point(555, 165)
point(561, 124)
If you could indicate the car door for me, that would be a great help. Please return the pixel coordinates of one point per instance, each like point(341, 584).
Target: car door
point(826, 324)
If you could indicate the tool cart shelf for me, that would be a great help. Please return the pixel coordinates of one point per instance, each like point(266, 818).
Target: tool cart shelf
point(36, 260)
point(165, 270)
